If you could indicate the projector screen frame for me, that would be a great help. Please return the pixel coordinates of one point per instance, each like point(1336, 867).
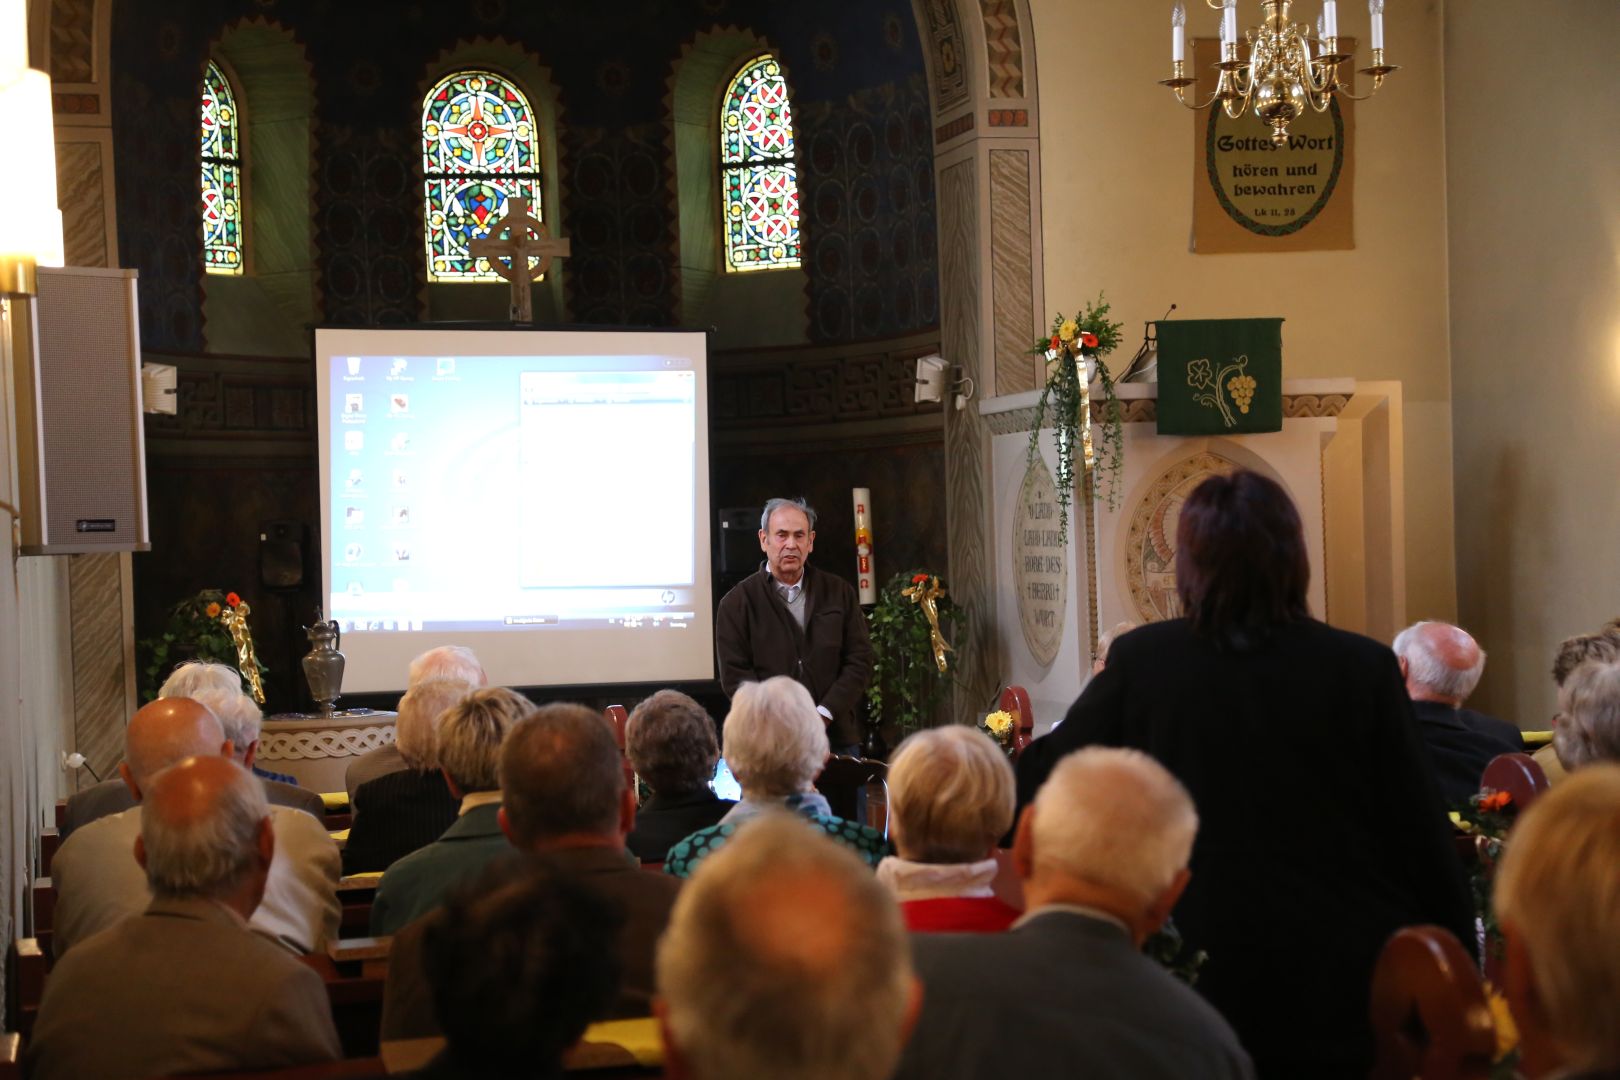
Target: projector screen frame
point(704, 565)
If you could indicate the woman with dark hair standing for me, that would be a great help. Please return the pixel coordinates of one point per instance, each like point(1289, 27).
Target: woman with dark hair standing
point(1321, 830)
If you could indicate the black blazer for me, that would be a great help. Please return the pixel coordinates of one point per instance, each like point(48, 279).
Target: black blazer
point(1320, 828)
point(1060, 995)
point(402, 811)
point(756, 638)
point(662, 822)
point(1460, 743)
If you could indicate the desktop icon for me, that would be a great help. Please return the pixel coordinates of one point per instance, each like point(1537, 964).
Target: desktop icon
point(398, 367)
point(355, 588)
point(444, 365)
point(354, 440)
point(402, 515)
point(400, 443)
point(353, 552)
point(399, 404)
point(354, 365)
point(356, 478)
point(353, 404)
point(400, 483)
point(402, 553)
point(353, 517)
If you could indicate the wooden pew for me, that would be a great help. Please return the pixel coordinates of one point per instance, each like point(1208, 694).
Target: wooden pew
point(1518, 775)
point(1015, 700)
point(331, 1070)
point(10, 1055)
point(1429, 1014)
point(356, 893)
point(26, 967)
point(842, 776)
point(49, 841)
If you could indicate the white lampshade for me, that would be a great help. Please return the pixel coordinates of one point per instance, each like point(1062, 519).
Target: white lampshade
point(30, 220)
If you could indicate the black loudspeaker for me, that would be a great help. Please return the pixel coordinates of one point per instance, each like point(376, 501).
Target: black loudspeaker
point(739, 540)
point(281, 554)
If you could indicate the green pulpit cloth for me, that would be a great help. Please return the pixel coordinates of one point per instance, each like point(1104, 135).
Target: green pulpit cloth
point(1220, 376)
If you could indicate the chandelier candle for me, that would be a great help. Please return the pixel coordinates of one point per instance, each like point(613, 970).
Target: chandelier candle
point(1287, 68)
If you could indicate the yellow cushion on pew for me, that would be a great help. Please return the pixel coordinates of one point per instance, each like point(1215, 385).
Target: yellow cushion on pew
point(1536, 738)
point(638, 1038)
point(335, 800)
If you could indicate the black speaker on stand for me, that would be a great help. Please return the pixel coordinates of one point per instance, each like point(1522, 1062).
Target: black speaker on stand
point(738, 532)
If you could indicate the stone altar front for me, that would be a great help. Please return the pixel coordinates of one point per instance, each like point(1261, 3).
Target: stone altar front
point(1339, 455)
point(318, 750)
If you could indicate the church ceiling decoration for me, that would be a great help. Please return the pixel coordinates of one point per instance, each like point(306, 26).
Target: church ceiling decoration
point(480, 147)
point(221, 175)
point(759, 183)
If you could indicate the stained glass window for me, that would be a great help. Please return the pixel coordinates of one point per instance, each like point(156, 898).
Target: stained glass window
point(480, 147)
point(221, 175)
point(759, 187)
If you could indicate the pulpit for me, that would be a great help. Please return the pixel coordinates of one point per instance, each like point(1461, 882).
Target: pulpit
point(317, 750)
point(1339, 454)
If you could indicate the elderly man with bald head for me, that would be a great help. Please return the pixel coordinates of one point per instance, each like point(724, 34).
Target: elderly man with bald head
point(185, 986)
point(1442, 665)
point(98, 882)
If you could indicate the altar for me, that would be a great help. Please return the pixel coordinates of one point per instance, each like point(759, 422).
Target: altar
point(317, 750)
point(1339, 455)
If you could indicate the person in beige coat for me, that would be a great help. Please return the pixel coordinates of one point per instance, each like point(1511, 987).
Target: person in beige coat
point(98, 881)
point(185, 986)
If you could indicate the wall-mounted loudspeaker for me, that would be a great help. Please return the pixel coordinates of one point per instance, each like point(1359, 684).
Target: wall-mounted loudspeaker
point(281, 554)
point(80, 457)
point(739, 540)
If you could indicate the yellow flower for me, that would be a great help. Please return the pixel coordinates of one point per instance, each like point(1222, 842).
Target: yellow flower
point(1067, 330)
point(999, 723)
point(213, 611)
point(1507, 1032)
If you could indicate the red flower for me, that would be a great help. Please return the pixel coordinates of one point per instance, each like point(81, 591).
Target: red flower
point(918, 579)
point(232, 599)
point(1088, 339)
point(1496, 800)
point(1056, 345)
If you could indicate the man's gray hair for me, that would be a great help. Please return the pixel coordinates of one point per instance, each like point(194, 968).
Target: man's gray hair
point(471, 734)
point(785, 958)
point(773, 505)
point(561, 775)
point(195, 676)
point(1116, 818)
point(1588, 727)
point(238, 714)
point(774, 739)
point(1557, 891)
point(203, 855)
point(951, 795)
point(447, 662)
point(1426, 668)
point(416, 732)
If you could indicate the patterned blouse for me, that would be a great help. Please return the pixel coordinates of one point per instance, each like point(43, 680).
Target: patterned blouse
point(864, 840)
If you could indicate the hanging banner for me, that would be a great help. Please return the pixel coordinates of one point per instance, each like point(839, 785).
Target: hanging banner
point(1251, 195)
point(1219, 376)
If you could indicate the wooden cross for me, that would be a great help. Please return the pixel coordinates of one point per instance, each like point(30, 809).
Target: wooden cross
point(525, 237)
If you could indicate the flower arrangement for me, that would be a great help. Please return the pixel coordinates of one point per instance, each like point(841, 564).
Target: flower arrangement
point(1073, 343)
point(197, 628)
point(1487, 817)
point(909, 677)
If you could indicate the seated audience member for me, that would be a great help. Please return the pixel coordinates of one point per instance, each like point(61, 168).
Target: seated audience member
point(670, 742)
point(469, 750)
point(1557, 897)
point(1103, 855)
point(776, 745)
point(1572, 653)
point(520, 960)
point(213, 684)
point(565, 798)
point(411, 808)
point(1588, 728)
point(1442, 664)
point(950, 802)
point(185, 986)
point(445, 662)
point(98, 882)
point(784, 959)
point(1105, 641)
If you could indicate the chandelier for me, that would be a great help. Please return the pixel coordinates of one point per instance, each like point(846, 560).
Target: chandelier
point(1288, 67)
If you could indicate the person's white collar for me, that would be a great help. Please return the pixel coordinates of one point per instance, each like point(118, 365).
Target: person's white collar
point(932, 881)
point(474, 799)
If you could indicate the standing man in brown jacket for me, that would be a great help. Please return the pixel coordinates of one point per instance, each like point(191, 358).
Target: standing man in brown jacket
point(791, 620)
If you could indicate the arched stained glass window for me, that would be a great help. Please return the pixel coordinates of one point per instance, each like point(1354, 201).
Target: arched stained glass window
point(221, 175)
point(480, 147)
point(759, 187)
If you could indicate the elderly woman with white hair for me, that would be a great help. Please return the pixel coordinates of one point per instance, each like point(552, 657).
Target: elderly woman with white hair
point(776, 744)
point(1588, 726)
point(399, 812)
point(951, 794)
point(217, 686)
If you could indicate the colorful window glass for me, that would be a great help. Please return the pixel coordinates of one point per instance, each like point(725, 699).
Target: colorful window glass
point(221, 176)
point(480, 147)
point(759, 187)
